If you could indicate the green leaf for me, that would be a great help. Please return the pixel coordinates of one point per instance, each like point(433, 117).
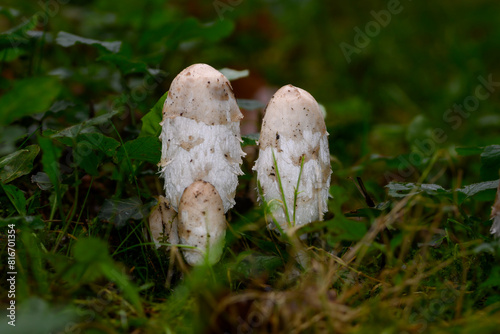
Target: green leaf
point(125, 64)
point(143, 149)
point(27, 97)
point(84, 127)
point(18, 35)
point(11, 54)
point(231, 74)
point(400, 189)
point(346, 229)
point(66, 39)
point(490, 162)
point(89, 148)
point(151, 121)
point(493, 280)
point(89, 162)
point(50, 159)
point(18, 163)
point(16, 197)
point(470, 150)
point(473, 189)
point(250, 139)
point(250, 104)
point(100, 142)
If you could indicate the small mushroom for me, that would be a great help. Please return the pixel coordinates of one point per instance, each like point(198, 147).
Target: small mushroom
point(201, 224)
point(201, 134)
point(163, 223)
point(294, 139)
point(495, 215)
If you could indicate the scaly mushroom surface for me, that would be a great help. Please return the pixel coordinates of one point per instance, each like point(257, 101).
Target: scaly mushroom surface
point(294, 138)
point(163, 223)
point(201, 224)
point(201, 134)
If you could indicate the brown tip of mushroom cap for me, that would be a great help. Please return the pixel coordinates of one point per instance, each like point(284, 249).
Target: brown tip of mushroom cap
point(203, 94)
point(289, 113)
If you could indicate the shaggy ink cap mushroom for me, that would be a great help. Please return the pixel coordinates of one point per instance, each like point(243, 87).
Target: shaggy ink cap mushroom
point(163, 223)
point(201, 134)
point(201, 224)
point(495, 215)
point(294, 132)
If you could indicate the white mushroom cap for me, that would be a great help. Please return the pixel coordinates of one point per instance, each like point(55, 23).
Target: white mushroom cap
point(163, 223)
point(293, 129)
point(201, 223)
point(290, 113)
point(201, 134)
point(203, 94)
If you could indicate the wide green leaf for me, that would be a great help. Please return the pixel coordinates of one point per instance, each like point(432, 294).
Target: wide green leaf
point(66, 39)
point(89, 162)
point(18, 163)
point(151, 121)
point(476, 188)
point(250, 139)
point(27, 97)
point(143, 149)
point(99, 142)
point(83, 127)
